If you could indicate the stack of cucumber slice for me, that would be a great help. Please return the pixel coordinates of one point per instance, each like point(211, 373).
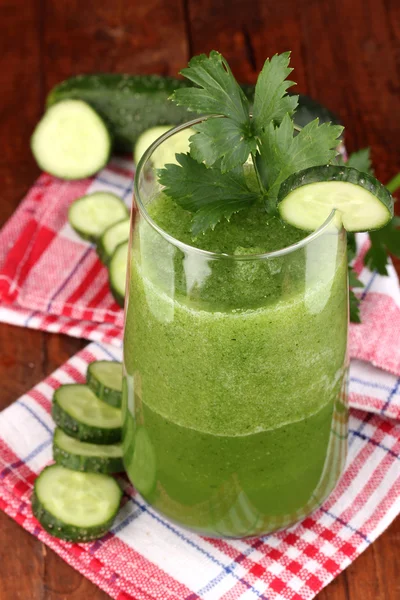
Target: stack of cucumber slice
point(76, 499)
point(103, 218)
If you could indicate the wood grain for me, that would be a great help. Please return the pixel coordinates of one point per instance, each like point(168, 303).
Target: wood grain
point(346, 54)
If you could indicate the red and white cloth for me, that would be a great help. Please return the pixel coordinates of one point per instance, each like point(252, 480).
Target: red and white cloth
point(52, 280)
point(145, 557)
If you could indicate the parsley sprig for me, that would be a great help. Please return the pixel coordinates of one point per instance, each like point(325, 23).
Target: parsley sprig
point(205, 192)
point(209, 181)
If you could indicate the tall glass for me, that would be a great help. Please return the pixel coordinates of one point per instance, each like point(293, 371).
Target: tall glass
point(235, 401)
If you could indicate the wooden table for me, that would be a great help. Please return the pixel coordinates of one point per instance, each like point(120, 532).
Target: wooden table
point(345, 54)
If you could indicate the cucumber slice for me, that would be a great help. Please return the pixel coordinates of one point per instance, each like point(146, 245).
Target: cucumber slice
point(71, 141)
point(117, 272)
point(73, 506)
point(83, 456)
point(83, 416)
point(141, 463)
point(104, 377)
point(111, 238)
point(165, 154)
point(91, 215)
point(307, 198)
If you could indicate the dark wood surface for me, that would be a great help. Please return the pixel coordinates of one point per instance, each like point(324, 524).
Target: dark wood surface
point(346, 54)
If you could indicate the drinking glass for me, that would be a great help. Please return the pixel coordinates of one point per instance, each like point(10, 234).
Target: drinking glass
point(235, 374)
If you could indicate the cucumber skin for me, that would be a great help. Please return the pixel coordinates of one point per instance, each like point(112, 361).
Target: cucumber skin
point(130, 104)
point(69, 533)
point(118, 297)
point(87, 464)
point(81, 431)
point(340, 174)
point(108, 395)
point(101, 253)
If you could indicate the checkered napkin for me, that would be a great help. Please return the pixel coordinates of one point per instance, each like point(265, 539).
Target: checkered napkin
point(52, 280)
point(145, 557)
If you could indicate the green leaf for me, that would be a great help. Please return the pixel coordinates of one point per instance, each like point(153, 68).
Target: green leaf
point(230, 139)
point(207, 192)
point(354, 282)
point(218, 92)
point(282, 154)
point(221, 139)
point(394, 184)
point(271, 102)
point(383, 241)
point(361, 160)
point(354, 307)
point(351, 246)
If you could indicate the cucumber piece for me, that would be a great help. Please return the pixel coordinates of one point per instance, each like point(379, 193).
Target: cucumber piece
point(83, 456)
point(141, 463)
point(111, 238)
point(130, 104)
point(307, 198)
point(73, 506)
point(104, 377)
point(71, 141)
point(91, 215)
point(117, 272)
point(165, 154)
point(82, 415)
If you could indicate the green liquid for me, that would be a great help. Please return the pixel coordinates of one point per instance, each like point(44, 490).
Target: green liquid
point(235, 408)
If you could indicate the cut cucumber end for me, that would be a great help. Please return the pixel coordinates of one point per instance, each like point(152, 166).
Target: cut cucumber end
point(91, 215)
point(164, 154)
point(75, 506)
point(306, 199)
point(71, 141)
point(117, 272)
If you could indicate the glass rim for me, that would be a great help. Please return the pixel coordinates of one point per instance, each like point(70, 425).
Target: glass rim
point(208, 253)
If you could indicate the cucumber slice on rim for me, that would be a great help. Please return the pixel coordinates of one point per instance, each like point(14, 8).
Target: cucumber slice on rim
point(113, 236)
point(73, 506)
point(82, 415)
point(91, 215)
point(165, 154)
point(307, 198)
point(84, 456)
point(117, 272)
point(104, 377)
point(71, 141)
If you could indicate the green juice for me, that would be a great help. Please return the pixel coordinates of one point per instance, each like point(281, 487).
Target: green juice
point(235, 390)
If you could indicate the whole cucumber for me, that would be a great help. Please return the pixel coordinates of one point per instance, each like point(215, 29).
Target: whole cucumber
point(130, 104)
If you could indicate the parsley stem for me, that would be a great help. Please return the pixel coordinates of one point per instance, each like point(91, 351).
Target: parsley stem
point(264, 194)
point(394, 184)
point(260, 185)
